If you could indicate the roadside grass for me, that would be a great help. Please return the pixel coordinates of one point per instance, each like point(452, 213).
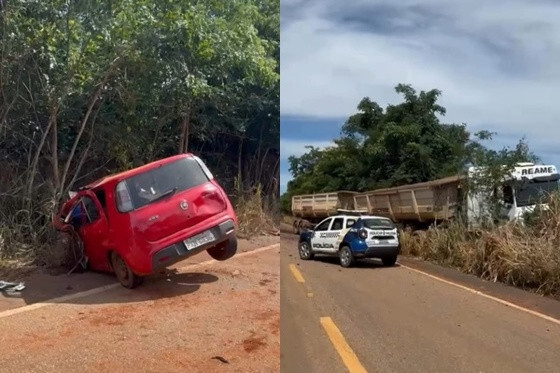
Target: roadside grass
point(523, 255)
point(255, 215)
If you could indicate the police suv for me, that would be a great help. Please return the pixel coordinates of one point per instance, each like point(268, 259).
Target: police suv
point(352, 237)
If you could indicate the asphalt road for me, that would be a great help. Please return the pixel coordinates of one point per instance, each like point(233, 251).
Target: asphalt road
point(205, 317)
point(398, 320)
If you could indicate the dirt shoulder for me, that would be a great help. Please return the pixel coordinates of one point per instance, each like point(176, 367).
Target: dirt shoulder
point(41, 286)
point(217, 317)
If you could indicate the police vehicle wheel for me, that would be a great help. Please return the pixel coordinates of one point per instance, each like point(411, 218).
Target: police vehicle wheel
point(305, 251)
point(346, 257)
point(389, 261)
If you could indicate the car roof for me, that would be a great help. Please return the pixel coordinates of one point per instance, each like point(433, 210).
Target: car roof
point(359, 217)
point(135, 171)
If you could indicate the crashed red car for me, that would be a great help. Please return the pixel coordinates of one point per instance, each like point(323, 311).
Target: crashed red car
point(148, 218)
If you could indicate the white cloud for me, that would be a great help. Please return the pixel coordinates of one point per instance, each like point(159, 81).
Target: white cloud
point(297, 148)
point(289, 147)
point(496, 62)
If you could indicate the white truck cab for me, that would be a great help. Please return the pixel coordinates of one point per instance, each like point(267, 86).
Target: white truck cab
point(522, 190)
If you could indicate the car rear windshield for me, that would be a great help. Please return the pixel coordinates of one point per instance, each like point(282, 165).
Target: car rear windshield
point(378, 223)
point(157, 183)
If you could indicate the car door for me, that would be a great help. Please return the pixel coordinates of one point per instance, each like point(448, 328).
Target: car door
point(346, 224)
point(89, 220)
point(318, 241)
point(334, 236)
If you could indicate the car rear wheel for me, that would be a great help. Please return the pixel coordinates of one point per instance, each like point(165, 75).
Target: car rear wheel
point(305, 251)
point(124, 274)
point(225, 251)
point(346, 257)
point(389, 261)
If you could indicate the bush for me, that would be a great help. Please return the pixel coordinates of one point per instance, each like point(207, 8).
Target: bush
point(255, 216)
point(524, 254)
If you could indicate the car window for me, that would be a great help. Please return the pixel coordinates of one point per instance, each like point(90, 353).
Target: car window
point(378, 223)
point(324, 225)
point(100, 194)
point(350, 222)
point(154, 184)
point(91, 210)
point(77, 215)
point(337, 224)
point(84, 212)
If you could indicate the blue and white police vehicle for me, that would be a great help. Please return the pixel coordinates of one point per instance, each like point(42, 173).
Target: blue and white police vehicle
point(352, 237)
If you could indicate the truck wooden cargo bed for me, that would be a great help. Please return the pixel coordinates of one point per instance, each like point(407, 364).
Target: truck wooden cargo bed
point(422, 202)
point(322, 205)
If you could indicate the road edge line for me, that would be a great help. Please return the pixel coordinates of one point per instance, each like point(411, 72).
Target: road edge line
point(101, 289)
point(484, 295)
point(344, 350)
point(296, 273)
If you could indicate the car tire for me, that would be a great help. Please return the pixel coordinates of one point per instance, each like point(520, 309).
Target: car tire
point(223, 252)
point(124, 274)
point(304, 250)
point(389, 261)
point(346, 257)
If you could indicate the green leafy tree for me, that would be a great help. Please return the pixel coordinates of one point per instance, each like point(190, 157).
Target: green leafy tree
point(401, 144)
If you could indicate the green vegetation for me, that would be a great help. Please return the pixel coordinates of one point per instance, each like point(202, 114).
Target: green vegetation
point(401, 144)
point(88, 88)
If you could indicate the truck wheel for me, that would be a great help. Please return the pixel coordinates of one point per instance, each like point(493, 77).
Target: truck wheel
point(389, 261)
point(305, 252)
point(225, 251)
point(124, 274)
point(346, 257)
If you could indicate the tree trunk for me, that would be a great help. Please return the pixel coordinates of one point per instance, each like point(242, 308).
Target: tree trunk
point(35, 161)
point(84, 153)
point(185, 132)
point(54, 153)
point(239, 165)
point(92, 102)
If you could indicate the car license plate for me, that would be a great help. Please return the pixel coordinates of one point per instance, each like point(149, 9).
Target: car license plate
point(199, 240)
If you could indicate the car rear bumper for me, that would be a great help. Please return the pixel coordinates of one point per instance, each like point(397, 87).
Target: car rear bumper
point(178, 251)
point(378, 252)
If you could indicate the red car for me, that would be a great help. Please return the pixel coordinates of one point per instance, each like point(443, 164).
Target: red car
point(145, 219)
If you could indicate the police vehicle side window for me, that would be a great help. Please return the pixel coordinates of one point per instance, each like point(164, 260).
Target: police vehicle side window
point(337, 224)
point(350, 222)
point(324, 226)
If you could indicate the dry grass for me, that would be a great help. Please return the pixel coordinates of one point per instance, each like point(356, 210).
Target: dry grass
point(523, 255)
point(254, 217)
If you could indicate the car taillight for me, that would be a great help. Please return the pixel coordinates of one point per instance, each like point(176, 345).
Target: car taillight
point(124, 202)
point(363, 234)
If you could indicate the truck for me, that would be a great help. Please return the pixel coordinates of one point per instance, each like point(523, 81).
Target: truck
point(439, 201)
point(310, 209)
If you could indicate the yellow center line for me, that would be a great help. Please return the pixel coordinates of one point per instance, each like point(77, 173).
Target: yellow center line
point(346, 353)
point(296, 273)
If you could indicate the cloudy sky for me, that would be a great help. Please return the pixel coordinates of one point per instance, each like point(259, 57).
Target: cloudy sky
point(496, 63)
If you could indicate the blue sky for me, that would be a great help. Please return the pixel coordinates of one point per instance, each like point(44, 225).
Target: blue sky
point(496, 64)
